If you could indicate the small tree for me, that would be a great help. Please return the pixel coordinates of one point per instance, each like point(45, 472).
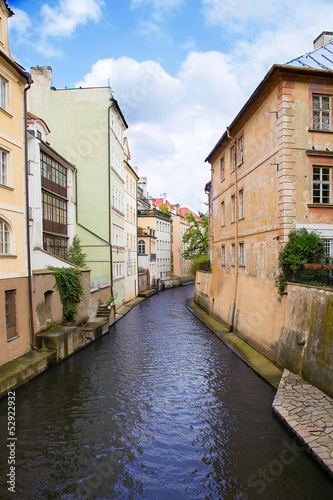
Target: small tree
point(165, 209)
point(196, 236)
point(75, 254)
point(301, 248)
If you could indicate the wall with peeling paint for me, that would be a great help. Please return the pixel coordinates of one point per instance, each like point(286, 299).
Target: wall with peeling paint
point(295, 331)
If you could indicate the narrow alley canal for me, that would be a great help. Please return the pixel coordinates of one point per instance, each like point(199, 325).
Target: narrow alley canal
point(157, 409)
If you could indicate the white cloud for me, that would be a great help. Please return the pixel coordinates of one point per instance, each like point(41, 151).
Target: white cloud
point(59, 20)
point(173, 121)
point(158, 5)
point(67, 15)
point(20, 24)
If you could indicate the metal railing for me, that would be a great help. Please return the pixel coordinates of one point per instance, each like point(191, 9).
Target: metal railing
point(314, 277)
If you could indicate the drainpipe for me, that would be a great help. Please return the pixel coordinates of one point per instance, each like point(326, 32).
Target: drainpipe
point(32, 328)
point(109, 196)
point(236, 240)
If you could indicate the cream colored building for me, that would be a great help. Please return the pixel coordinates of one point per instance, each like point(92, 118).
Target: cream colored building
point(15, 270)
point(180, 265)
point(131, 247)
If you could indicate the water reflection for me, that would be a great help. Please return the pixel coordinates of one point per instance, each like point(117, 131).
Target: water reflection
point(158, 409)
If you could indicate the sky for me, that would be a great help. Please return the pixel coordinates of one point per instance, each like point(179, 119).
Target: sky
point(179, 69)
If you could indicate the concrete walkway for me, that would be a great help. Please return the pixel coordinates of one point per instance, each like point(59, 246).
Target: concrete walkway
point(308, 412)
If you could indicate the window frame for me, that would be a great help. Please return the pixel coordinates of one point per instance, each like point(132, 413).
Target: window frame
point(3, 93)
point(321, 110)
point(240, 146)
point(233, 208)
point(223, 213)
point(141, 246)
point(223, 255)
point(5, 238)
point(222, 169)
point(321, 183)
point(241, 214)
point(241, 258)
point(11, 326)
point(233, 158)
point(4, 176)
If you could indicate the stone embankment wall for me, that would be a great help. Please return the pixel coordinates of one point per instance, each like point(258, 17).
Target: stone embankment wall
point(296, 332)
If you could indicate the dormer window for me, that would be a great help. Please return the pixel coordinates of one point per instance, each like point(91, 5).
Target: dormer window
point(39, 134)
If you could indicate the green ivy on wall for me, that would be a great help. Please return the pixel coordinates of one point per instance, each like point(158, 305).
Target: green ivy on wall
point(70, 289)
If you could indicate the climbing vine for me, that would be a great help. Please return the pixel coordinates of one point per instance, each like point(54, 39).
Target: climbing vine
point(70, 289)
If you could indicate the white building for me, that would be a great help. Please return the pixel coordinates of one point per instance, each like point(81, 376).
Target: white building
point(51, 198)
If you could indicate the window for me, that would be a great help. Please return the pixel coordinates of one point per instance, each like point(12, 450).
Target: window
point(321, 112)
point(54, 210)
point(222, 214)
point(241, 204)
point(233, 208)
point(223, 255)
point(233, 254)
point(10, 303)
point(3, 168)
point(3, 94)
point(222, 169)
point(55, 245)
point(4, 239)
point(39, 134)
point(328, 247)
point(241, 255)
point(321, 185)
point(233, 157)
point(141, 247)
point(241, 149)
point(53, 171)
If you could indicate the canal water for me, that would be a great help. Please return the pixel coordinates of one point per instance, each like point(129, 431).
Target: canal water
point(157, 409)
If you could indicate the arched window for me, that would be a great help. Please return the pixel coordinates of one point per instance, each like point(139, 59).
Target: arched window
point(4, 239)
point(142, 247)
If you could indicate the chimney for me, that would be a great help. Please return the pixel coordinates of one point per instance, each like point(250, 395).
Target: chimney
point(164, 198)
point(322, 39)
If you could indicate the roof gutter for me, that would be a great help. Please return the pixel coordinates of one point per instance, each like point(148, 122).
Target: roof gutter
point(274, 69)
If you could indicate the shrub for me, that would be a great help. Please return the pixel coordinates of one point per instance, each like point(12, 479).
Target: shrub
point(301, 248)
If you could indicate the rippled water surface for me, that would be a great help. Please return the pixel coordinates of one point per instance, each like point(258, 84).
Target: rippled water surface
point(157, 409)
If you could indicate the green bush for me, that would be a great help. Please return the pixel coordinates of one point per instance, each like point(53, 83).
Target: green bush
point(195, 266)
point(302, 247)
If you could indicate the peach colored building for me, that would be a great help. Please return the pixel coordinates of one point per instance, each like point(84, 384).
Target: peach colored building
point(272, 171)
point(14, 265)
point(180, 265)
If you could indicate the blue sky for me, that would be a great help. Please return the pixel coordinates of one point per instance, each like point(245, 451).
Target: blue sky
point(180, 69)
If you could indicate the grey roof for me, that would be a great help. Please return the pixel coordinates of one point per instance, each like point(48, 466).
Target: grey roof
point(321, 58)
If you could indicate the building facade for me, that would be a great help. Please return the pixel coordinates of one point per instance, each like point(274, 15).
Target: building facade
point(15, 271)
point(180, 265)
point(160, 224)
point(131, 248)
point(271, 173)
point(92, 138)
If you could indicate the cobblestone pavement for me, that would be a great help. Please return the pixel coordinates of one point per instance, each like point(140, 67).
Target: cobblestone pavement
point(309, 413)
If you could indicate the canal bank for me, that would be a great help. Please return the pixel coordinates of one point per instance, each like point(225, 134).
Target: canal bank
point(305, 410)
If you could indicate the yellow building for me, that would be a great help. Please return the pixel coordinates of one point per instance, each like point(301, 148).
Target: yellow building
point(14, 263)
